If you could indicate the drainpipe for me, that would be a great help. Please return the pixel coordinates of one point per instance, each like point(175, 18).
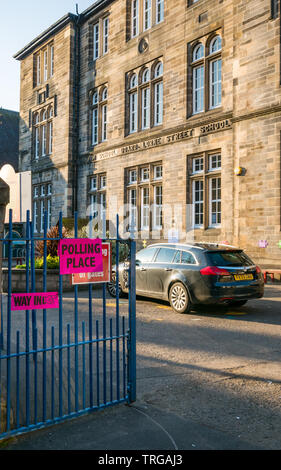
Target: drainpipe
point(76, 87)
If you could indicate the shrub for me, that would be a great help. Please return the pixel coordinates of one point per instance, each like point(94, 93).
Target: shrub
point(52, 263)
point(52, 244)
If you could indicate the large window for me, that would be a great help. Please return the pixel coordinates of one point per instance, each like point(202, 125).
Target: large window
point(204, 189)
point(144, 192)
point(144, 14)
point(205, 77)
point(100, 38)
point(98, 115)
point(97, 196)
point(43, 65)
point(145, 97)
point(42, 204)
point(43, 132)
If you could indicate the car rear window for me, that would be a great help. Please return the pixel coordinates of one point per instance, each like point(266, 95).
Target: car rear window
point(187, 258)
point(229, 258)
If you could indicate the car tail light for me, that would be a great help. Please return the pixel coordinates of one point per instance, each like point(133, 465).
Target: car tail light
point(258, 270)
point(214, 271)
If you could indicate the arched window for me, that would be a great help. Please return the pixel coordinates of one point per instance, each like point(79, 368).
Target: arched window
point(158, 70)
point(198, 79)
point(104, 116)
point(145, 76)
point(145, 100)
point(206, 74)
point(145, 97)
point(133, 81)
point(104, 94)
point(215, 73)
point(158, 94)
point(98, 115)
point(133, 104)
point(198, 52)
point(215, 44)
point(43, 132)
point(95, 98)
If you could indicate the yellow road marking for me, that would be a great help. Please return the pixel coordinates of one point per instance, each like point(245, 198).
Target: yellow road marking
point(236, 313)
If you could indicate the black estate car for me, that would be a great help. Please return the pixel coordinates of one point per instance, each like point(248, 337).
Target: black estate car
point(186, 275)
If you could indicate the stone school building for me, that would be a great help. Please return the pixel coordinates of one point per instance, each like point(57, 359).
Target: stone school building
point(165, 111)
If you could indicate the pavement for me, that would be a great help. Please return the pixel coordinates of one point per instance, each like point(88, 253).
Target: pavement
point(146, 426)
point(127, 427)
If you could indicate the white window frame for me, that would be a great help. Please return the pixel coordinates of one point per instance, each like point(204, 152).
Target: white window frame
point(133, 112)
point(35, 215)
point(201, 163)
point(198, 90)
point(195, 203)
point(133, 221)
point(145, 174)
point(95, 125)
point(94, 183)
point(96, 41)
point(158, 208)
point(104, 123)
point(49, 213)
point(50, 126)
point(94, 205)
point(135, 18)
point(145, 108)
point(215, 83)
point(37, 142)
point(217, 165)
point(158, 103)
point(103, 182)
point(44, 140)
point(132, 180)
point(52, 57)
point(159, 11)
point(45, 55)
point(216, 201)
point(159, 177)
point(38, 69)
point(105, 35)
point(42, 210)
point(147, 7)
point(145, 208)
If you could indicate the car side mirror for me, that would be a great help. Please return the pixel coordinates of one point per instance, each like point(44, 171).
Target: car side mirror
point(138, 263)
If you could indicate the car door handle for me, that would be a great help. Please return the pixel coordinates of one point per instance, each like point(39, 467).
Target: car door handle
point(168, 269)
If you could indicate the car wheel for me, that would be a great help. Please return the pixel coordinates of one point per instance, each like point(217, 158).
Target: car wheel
point(237, 303)
point(111, 287)
point(179, 298)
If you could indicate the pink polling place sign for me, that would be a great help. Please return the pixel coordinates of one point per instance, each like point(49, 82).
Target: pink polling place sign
point(31, 301)
point(81, 255)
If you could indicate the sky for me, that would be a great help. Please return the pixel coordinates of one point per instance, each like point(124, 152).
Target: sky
point(20, 22)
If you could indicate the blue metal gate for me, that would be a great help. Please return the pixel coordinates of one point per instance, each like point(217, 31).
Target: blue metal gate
point(80, 359)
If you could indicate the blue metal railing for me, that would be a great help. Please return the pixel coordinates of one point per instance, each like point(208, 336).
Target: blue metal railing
point(53, 367)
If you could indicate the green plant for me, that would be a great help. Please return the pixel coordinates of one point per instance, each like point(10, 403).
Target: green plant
point(52, 263)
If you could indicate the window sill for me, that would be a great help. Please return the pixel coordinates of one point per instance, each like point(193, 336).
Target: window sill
point(205, 114)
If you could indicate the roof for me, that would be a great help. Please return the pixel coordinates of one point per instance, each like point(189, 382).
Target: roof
point(9, 138)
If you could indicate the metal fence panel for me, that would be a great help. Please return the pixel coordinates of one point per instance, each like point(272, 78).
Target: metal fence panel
point(55, 367)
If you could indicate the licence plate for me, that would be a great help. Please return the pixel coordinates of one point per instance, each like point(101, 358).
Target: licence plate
point(243, 277)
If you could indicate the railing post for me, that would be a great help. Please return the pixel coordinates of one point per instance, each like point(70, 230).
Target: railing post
point(132, 378)
point(4, 200)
